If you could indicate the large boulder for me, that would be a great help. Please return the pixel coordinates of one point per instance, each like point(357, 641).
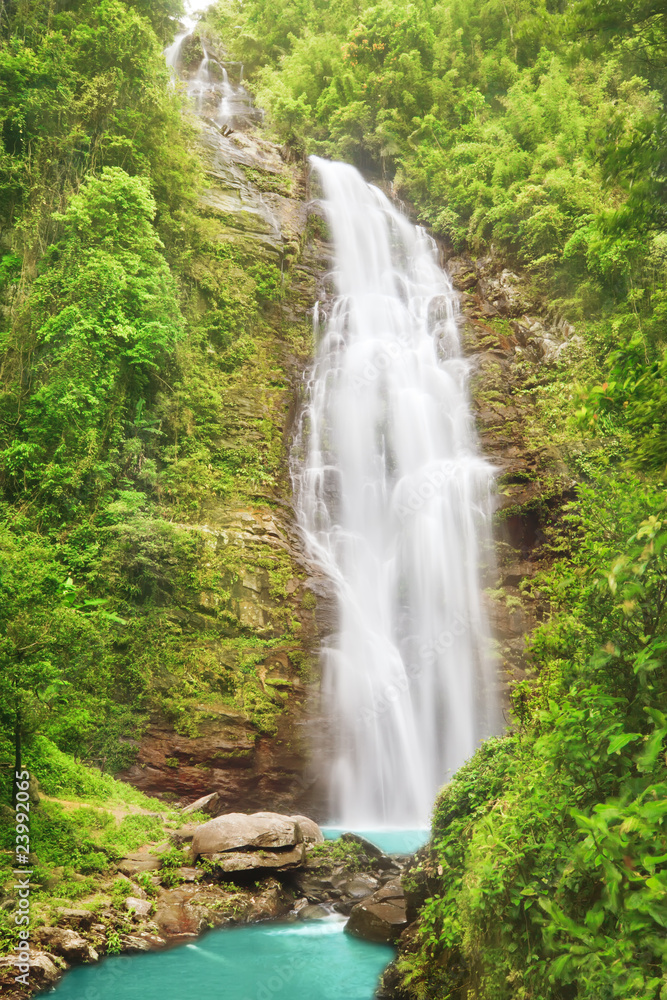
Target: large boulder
point(381, 917)
point(359, 886)
point(313, 911)
point(310, 830)
point(244, 861)
point(64, 942)
point(235, 831)
point(43, 973)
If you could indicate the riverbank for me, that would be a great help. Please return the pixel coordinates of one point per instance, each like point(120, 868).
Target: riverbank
point(256, 868)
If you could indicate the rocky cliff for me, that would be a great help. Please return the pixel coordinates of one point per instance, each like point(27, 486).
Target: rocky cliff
point(252, 611)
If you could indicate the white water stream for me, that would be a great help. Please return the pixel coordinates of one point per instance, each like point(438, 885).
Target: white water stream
point(394, 500)
point(214, 95)
point(392, 493)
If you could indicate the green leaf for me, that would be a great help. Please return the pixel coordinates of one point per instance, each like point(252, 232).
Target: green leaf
point(618, 742)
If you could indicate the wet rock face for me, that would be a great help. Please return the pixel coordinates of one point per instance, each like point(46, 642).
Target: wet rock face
point(508, 337)
point(326, 879)
point(255, 202)
point(185, 911)
point(381, 917)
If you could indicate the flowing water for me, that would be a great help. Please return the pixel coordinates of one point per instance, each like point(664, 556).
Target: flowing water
point(394, 503)
point(207, 81)
point(314, 961)
point(394, 500)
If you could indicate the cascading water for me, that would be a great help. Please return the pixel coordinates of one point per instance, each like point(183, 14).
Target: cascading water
point(214, 96)
point(394, 501)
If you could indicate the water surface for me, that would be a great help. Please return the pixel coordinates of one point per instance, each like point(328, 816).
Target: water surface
point(389, 840)
point(299, 961)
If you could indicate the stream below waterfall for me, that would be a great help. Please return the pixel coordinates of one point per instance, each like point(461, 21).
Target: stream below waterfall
point(298, 961)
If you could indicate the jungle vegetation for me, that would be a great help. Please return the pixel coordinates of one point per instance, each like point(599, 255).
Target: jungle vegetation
point(535, 130)
point(123, 322)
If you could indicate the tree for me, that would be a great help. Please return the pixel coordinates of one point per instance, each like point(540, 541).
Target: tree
point(105, 317)
point(30, 681)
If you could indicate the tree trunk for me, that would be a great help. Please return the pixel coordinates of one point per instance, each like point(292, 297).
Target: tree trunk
point(17, 755)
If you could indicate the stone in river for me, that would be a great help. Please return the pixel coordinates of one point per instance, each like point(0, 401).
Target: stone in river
point(381, 917)
point(359, 886)
point(369, 849)
point(313, 912)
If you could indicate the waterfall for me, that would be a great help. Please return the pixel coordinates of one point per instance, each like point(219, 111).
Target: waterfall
point(394, 502)
point(213, 95)
point(172, 52)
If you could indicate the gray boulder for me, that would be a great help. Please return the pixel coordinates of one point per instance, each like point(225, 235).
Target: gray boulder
point(244, 861)
point(236, 830)
point(43, 971)
point(65, 942)
point(310, 830)
point(134, 943)
point(313, 911)
point(381, 917)
point(142, 907)
point(359, 886)
point(207, 804)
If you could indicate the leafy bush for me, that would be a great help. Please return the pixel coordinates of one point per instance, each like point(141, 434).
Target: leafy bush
point(551, 843)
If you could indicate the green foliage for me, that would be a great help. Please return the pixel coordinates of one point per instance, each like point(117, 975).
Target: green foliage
point(173, 858)
point(114, 943)
point(105, 315)
point(338, 852)
point(133, 329)
point(147, 884)
point(120, 890)
point(551, 842)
